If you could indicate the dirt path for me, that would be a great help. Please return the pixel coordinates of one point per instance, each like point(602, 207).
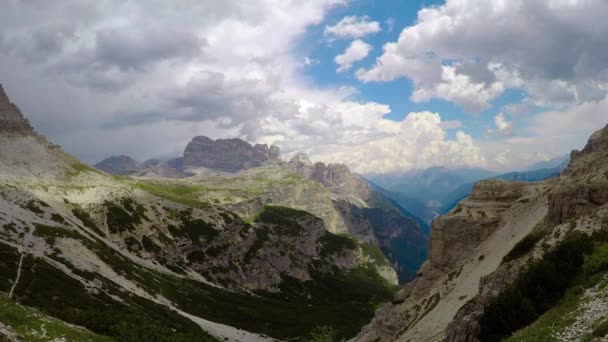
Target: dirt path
point(10, 294)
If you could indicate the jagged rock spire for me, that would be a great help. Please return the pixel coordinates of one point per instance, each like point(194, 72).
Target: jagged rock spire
point(11, 119)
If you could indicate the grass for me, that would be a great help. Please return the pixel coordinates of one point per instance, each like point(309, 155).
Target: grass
point(601, 329)
point(68, 300)
point(185, 194)
point(33, 325)
point(375, 254)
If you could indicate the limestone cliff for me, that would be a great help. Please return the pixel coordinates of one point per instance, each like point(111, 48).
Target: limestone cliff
point(11, 119)
point(228, 155)
point(165, 259)
point(472, 259)
point(466, 244)
point(398, 234)
point(337, 178)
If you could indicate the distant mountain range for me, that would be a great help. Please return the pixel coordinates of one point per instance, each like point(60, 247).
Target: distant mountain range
point(430, 193)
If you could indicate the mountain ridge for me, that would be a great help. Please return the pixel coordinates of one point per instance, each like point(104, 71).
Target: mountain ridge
point(479, 252)
point(168, 264)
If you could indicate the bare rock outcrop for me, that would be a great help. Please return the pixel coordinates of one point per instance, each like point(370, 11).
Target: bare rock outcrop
point(337, 178)
point(11, 119)
point(454, 237)
point(228, 155)
point(583, 186)
point(466, 245)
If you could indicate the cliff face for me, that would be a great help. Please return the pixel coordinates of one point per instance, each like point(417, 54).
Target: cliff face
point(11, 119)
point(466, 267)
point(365, 210)
point(228, 155)
point(583, 186)
point(466, 244)
point(337, 178)
point(168, 258)
point(454, 237)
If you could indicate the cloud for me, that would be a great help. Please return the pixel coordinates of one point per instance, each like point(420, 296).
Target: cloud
point(357, 51)
point(503, 126)
point(488, 46)
point(143, 78)
point(310, 61)
point(352, 27)
point(371, 144)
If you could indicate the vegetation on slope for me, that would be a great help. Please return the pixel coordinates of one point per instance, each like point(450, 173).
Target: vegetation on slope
point(37, 327)
point(336, 300)
point(527, 243)
point(542, 286)
point(48, 289)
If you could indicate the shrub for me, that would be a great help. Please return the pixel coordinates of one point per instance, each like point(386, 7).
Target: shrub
point(536, 289)
point(601, 329)
point(526, 244)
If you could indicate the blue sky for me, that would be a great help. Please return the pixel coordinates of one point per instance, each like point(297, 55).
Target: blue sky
point(393, 16)
point(460, 83)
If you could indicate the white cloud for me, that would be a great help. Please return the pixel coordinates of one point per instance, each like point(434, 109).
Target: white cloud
point(357, 51)
point(352, 27)
point(371, 144)
point(503, 126)
point(227, 80)
point(310, 61)
point(484, 47)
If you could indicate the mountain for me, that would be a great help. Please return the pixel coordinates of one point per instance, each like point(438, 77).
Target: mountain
point(120, 165)
point(560, 162)
point(514, 261)
point(426, 193)
point(399, 234)
point(229, 155)
point(11, 119)
point(439, 189)
point(101, 257)
point(346, 202)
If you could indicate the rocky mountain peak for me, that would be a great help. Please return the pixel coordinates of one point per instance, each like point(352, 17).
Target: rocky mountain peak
point(228, 155)
point(300, 158)
point(11, 119)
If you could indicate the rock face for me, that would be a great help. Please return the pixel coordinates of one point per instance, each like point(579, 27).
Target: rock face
point(582, 188)
point(337, 178)
point(454, 237)
point(363, 209)
point(11, 119)
point(466, 245)
point(228, 155)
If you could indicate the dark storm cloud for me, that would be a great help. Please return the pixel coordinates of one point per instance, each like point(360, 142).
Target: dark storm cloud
point(134, 50)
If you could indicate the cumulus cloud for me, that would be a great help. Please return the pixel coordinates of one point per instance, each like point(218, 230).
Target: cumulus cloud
point(487, 46)
point(357, 51)
point(143, 78)
point(352, 27)
point(503, 126)
point(371, 144)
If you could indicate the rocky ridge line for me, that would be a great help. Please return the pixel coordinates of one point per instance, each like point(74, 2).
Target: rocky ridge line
point(11, 119)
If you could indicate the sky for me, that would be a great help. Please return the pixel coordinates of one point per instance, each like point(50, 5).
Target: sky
point(380, 85)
